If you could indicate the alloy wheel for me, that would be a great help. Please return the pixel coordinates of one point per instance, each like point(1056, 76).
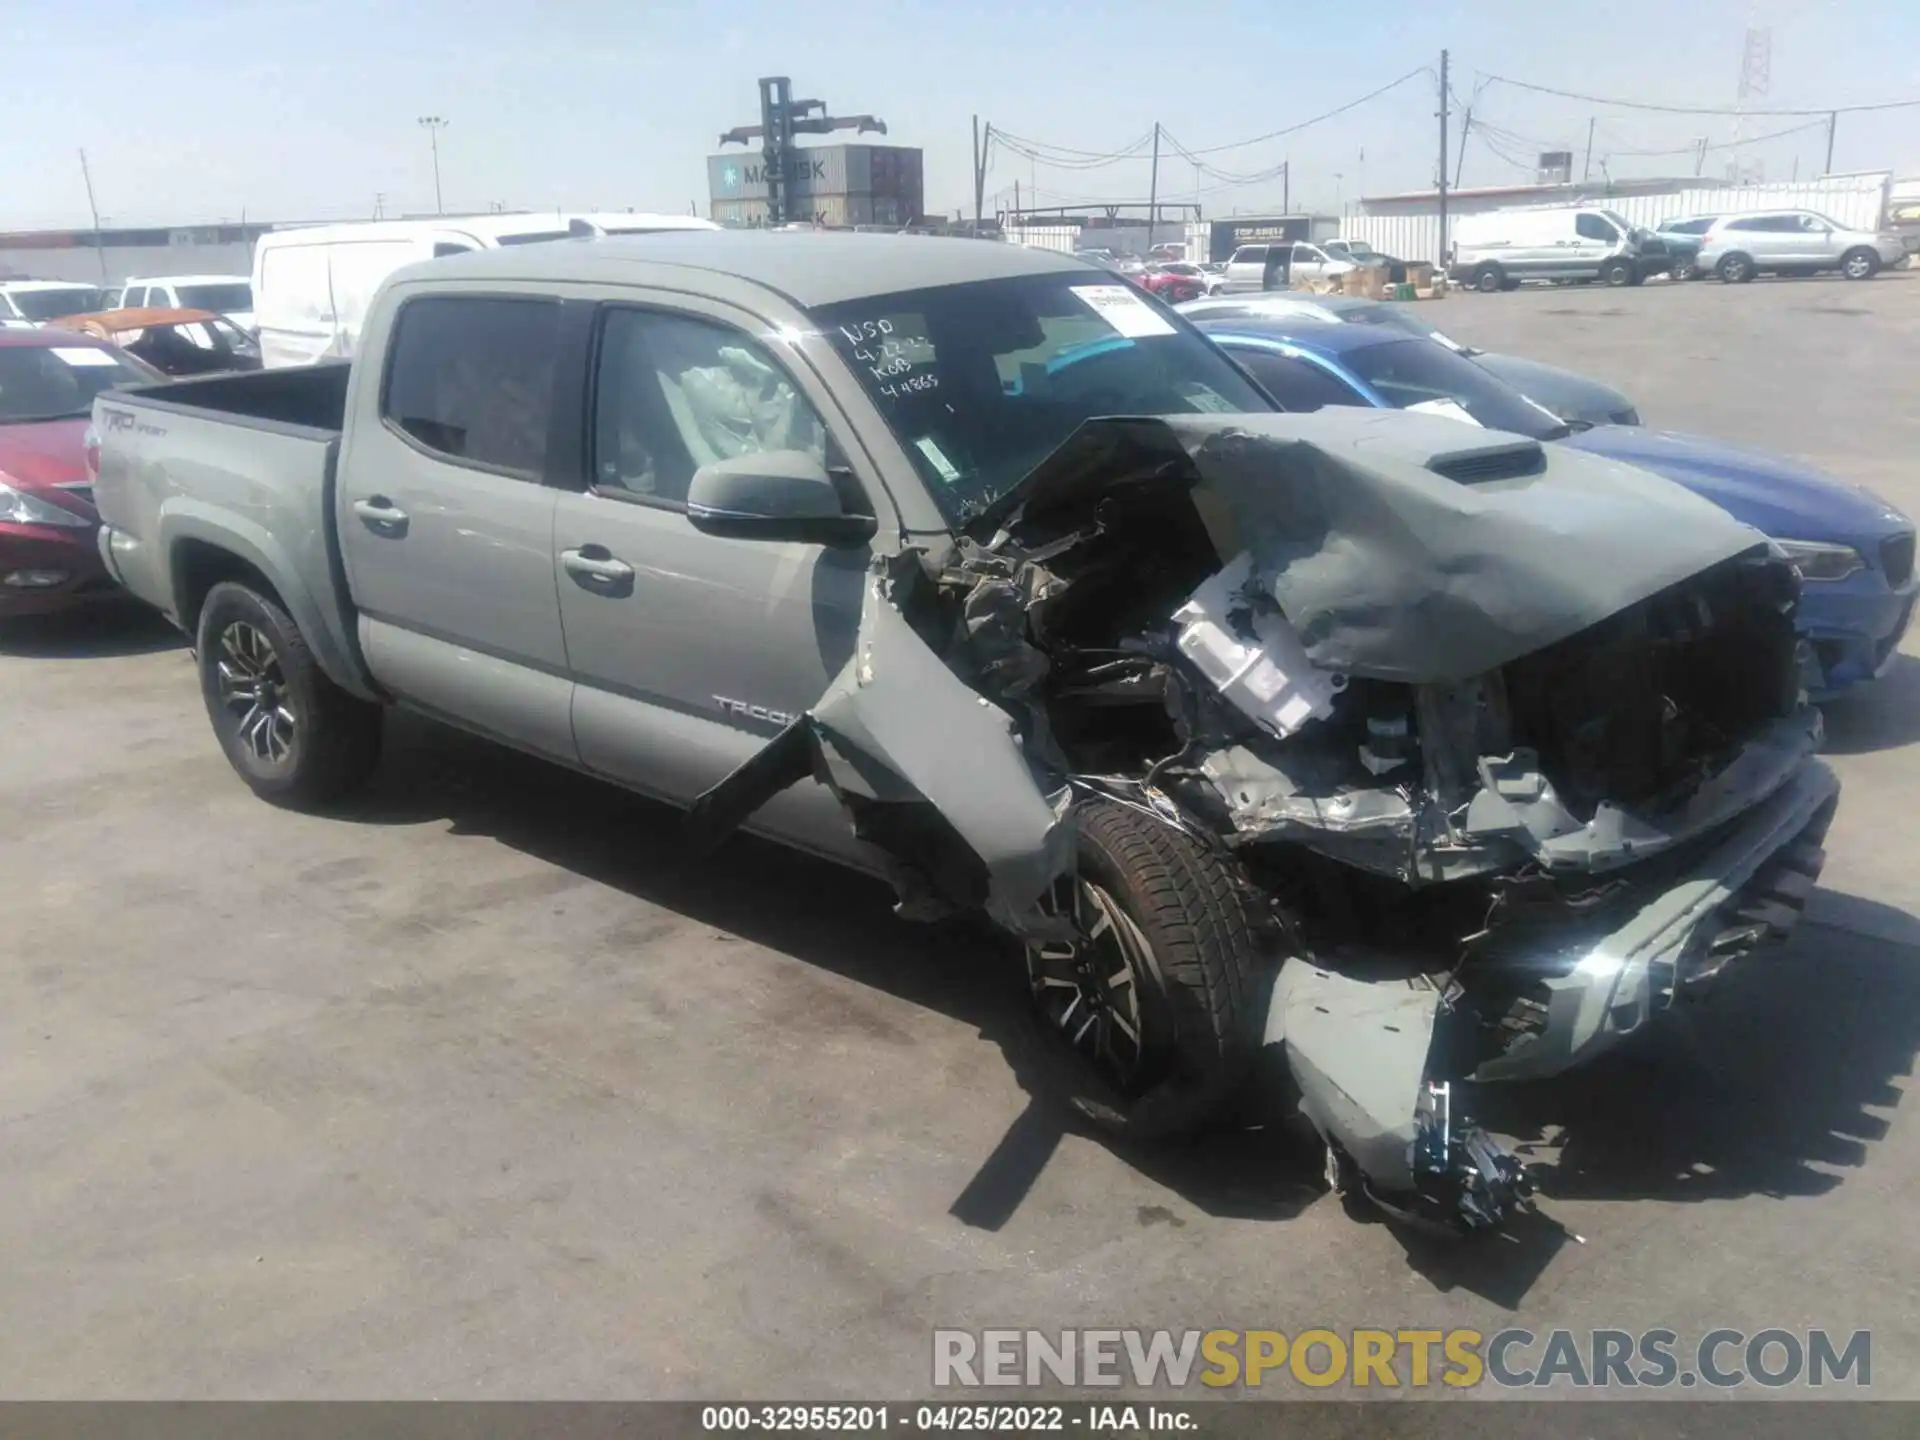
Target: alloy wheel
point(253, 689)
point(1090, 989)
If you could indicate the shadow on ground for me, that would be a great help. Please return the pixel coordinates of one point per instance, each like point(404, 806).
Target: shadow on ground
point(1881, 715)
point(1776, 1087)
point(97, 632)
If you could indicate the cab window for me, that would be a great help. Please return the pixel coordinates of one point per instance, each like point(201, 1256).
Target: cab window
point(471, 378)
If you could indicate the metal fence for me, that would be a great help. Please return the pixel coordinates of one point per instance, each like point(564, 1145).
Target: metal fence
point(1856, 201)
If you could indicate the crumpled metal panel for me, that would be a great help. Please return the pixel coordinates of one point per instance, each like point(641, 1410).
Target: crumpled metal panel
point(897, 724)
point(1384, 567)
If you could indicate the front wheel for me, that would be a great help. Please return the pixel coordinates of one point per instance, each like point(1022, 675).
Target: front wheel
point(1860, 264)
point(1618, 273)
point(1157, 1001)
point(293, 735)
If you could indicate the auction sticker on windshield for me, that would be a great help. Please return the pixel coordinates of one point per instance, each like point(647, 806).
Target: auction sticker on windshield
point(83, 355)
point(1123, 309)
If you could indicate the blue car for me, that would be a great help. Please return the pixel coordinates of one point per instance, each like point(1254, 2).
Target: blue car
point(1854, 552)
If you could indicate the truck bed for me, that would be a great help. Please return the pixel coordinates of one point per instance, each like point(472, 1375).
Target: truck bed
point(198, 475)
point(313, 397)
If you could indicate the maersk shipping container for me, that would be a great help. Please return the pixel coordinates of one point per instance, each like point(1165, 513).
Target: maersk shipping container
point(820, 170)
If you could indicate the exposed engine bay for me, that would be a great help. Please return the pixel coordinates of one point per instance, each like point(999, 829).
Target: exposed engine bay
point(1506, 748)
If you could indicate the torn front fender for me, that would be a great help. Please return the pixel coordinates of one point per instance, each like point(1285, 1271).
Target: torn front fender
point(1360, 1052)
point(896, 725)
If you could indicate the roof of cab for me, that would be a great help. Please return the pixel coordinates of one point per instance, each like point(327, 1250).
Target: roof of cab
point(809, 268)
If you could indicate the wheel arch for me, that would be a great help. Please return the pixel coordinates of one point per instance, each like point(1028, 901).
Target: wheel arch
point(204, 548)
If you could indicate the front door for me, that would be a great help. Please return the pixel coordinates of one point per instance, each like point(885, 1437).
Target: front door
point(446, 522)
point(690, 651)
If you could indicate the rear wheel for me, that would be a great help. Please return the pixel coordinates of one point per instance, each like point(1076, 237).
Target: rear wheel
point(1683, 270)
point(1489, 278)
point(1157, 1000)
point(1735, 269)
point(293, 735)
point(1860, 264)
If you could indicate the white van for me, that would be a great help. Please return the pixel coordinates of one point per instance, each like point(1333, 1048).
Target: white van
point(311, 284)
point(1497, 249)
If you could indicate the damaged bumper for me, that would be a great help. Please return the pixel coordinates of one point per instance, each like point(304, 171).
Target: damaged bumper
point(1751, 888)
point(1362, 1050)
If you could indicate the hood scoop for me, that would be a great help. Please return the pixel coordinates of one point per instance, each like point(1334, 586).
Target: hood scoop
point(1478, 464)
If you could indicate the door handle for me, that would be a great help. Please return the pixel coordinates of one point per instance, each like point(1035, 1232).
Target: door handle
point(595, 568)
point(381, 516)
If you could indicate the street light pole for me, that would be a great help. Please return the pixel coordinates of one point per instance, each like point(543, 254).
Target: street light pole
point(433, 125)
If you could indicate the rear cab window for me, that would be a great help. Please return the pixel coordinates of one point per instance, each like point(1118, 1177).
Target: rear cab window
point(470, 379)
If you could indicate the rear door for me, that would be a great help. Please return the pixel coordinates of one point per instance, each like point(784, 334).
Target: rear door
point(690, 651)
point(446, 518)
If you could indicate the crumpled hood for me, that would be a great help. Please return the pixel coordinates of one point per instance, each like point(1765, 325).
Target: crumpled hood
point(1384, 566)
point(1782, 497)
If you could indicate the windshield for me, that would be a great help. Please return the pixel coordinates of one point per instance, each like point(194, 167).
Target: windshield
point(981, 382)
point(222, 299)
point(535, 237)
point(1357, 247)
point(58, 382)
point(1410, 373)
point(53, 304)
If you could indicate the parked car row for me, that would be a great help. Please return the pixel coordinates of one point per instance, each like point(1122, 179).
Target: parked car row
point(1499, 249)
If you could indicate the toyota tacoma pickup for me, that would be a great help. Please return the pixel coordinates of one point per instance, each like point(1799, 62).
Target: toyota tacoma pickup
point(1354, 754)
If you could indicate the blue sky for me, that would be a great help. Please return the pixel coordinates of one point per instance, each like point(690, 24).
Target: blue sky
point(286, 109)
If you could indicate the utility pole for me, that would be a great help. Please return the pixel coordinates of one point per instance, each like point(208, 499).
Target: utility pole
point(1586, 165)
point(1153, 188)
point(433, 125)
point(99, 245)
point(1442, 257)
point(1833, 123)
point(1016, 199)
point(979, 177)
point(1466, 125)
point(1286, 188)
point(379, 204)
point(1700, 160)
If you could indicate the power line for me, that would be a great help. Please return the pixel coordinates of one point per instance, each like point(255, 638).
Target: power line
point(1695, 109)
point(1694, 148)
point(1302, 125)
point(1066, 157)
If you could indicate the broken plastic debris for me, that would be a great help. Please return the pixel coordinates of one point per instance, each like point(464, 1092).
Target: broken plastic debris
point(1271, 681)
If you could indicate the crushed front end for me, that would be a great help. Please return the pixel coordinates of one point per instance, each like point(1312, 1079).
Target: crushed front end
point(1506, 748)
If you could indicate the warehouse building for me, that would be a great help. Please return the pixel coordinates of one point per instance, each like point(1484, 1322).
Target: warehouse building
point(827, 185)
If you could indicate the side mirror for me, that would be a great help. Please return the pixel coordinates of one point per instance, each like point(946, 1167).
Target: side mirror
point(774, 495)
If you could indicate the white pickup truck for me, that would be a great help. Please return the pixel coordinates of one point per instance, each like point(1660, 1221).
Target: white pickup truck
point(1398, 750)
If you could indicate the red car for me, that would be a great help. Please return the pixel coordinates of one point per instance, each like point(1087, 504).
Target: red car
point(1173, 285)
point(48, 378)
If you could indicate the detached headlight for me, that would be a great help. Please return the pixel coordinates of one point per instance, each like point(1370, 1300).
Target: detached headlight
point(19, 508)
point(1816, 561)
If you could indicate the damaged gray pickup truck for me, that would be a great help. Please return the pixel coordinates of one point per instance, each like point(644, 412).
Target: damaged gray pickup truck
point(1362, 749)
